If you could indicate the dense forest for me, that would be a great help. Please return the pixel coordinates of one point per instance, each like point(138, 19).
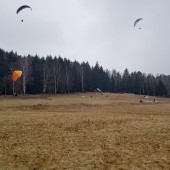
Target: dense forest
point(51, 75)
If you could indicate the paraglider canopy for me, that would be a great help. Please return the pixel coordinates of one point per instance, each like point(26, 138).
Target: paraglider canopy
point(16, 74)
point(136, 22)
point(22, 7)
point(98, 90)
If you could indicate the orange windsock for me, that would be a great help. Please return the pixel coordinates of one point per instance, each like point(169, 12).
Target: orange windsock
point(16, 74)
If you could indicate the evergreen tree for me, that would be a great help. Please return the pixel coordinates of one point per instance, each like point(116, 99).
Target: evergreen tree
point(58, 75)
point(36, 84)
point(126, 81)
point(160, 89)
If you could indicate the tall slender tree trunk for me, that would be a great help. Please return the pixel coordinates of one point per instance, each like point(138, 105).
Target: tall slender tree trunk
point(115, 89)
point(82, 80)
point(25, 65)
point(44, 82)
point(154, 91)
point(24, 81)
point(13, 87)
point(147, 87)
point(67, 80)
point(56, 79)
point(143, 89)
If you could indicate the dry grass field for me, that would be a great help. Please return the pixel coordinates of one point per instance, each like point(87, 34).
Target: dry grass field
point(105, 132)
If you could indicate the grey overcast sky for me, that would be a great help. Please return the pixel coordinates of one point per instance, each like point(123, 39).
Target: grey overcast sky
point(91, 30)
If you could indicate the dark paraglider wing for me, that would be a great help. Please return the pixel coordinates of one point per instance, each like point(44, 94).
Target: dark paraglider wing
point(22, 7)
point(137, 21)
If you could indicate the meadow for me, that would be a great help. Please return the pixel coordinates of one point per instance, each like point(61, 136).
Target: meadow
point(77, 131)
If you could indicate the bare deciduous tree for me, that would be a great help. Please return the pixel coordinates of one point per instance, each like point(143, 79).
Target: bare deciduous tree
point(45, 77)
point(56, 72)
point(25, 64)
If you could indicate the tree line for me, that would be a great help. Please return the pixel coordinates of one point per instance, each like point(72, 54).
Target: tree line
point(52, 75)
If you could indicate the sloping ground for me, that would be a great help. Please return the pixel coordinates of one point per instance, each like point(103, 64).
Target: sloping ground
point(110, 131)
